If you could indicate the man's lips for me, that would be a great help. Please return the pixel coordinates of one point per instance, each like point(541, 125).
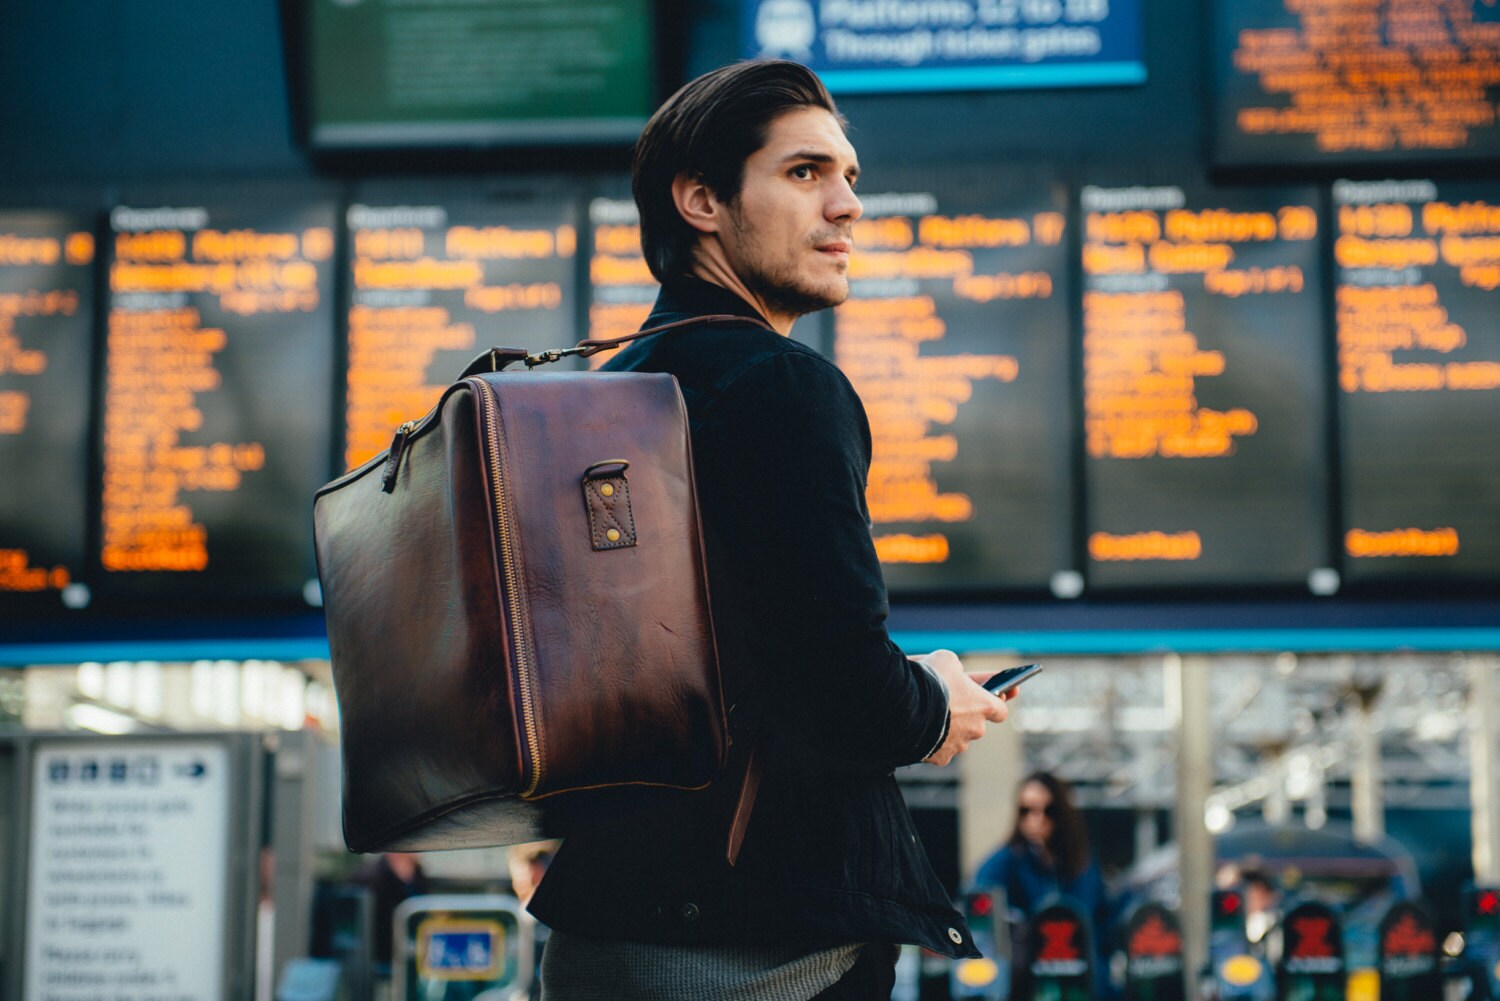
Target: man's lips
point(837, 247)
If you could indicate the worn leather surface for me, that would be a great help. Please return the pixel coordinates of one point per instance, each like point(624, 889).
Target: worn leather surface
point(626, 677)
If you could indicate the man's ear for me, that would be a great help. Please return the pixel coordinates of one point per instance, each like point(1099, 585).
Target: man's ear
point(697, 203)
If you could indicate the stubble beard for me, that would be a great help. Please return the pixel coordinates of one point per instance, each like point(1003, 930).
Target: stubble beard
point(781, 284)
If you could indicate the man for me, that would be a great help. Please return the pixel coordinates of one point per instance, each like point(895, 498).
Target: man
point(745, 183)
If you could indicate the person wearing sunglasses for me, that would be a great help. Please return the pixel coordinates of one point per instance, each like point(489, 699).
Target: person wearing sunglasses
point(1047, 856)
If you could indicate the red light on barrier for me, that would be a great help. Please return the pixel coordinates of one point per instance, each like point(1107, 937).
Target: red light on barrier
point(981, 905)
point(1487, 903)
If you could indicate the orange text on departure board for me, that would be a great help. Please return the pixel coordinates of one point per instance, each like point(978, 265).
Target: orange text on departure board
point(1105, 547)
point(159, 363)
point(392, 346)
point(1362, 544)
point(1377, 75)
point(161, 359)
point(1142, 362)
point(623, 286)
point(1393, 336)
point(247, 272)
point(909, 395)
point(18, 575)
point(16, 357)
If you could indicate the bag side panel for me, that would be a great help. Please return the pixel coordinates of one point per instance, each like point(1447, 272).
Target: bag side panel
point(416, 638)
point(627, 674)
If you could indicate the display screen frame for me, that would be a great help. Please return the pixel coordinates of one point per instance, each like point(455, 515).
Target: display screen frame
point(1147, 577)
point(65, 221)
point(1362, 451)
point(344, 145)
point(162, 595)
point(1233, 155)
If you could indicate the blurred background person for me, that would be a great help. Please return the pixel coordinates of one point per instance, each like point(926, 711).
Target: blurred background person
point(528, 864)
point(1262, 912)
point(391, 879)
point(1047, 856)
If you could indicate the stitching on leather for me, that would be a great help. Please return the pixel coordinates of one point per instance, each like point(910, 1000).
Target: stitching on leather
point(604, 509)
point(628, 525)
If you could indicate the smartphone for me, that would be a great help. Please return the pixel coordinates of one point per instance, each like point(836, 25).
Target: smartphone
point(1004, 681)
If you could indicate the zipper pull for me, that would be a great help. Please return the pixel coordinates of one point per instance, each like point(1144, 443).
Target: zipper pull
point(393, 457)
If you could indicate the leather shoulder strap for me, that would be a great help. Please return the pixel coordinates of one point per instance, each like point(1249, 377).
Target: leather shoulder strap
point(591, 346)
point(496, 359)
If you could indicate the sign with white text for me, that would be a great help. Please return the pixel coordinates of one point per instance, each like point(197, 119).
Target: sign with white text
point(883, 46)
point(128, 872)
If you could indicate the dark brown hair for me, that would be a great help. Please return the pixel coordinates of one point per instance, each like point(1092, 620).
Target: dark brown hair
point(1069, 844)
point(707, 130)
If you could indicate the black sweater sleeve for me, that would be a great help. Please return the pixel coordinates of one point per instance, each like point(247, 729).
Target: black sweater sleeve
point(784, 453)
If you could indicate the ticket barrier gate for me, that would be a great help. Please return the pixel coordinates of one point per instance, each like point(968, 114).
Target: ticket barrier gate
point(1312, 958)
point(1234, 973)
point(1481, 955)
point(1409, 961)
point(987, 978)
point(455, 947)
point(1058, 946)
point(1060, 954)
point(1154, 968)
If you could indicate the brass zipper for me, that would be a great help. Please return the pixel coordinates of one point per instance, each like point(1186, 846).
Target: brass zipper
point(520, 627)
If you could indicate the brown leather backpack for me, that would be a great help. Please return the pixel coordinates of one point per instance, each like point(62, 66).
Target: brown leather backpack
point(517, 607)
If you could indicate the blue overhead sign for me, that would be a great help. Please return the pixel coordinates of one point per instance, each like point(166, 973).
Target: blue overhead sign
point(884, 46)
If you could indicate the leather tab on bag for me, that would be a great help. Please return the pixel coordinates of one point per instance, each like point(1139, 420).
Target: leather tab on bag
point(611, 523)
point(393, 456)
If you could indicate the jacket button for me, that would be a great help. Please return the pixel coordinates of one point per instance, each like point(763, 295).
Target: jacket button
point(956, 936)
point(690, 912)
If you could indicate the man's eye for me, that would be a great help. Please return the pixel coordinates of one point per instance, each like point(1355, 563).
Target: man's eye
point(803, 172)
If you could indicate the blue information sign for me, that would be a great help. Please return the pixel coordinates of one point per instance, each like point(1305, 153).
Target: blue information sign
point(460, 949)
point(882, 46)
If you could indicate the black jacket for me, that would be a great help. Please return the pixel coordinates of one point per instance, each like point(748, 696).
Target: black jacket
point(781, 449)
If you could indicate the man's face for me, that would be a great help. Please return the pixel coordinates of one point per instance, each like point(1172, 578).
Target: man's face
point(789, 233)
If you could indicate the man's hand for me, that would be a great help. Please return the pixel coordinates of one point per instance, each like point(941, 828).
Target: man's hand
point(970, 707)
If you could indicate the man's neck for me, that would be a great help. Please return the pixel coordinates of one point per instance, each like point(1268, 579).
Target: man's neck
point(712, 268)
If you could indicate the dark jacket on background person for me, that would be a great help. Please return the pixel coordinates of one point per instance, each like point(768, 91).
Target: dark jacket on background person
point(781, 450)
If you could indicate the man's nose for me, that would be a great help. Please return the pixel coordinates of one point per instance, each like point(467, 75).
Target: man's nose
point(843, 204)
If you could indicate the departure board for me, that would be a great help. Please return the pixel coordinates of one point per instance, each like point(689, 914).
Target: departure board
point(955, 336)
point(1419, 374)
point(46, 322)
point(218, 369)
point(434, 285)
point(623, 288)
point(1204, 422)
point(1302, 82)
point(451, 73)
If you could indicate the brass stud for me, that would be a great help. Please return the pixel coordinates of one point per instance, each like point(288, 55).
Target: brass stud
point(607, 490)
point(613, 535)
